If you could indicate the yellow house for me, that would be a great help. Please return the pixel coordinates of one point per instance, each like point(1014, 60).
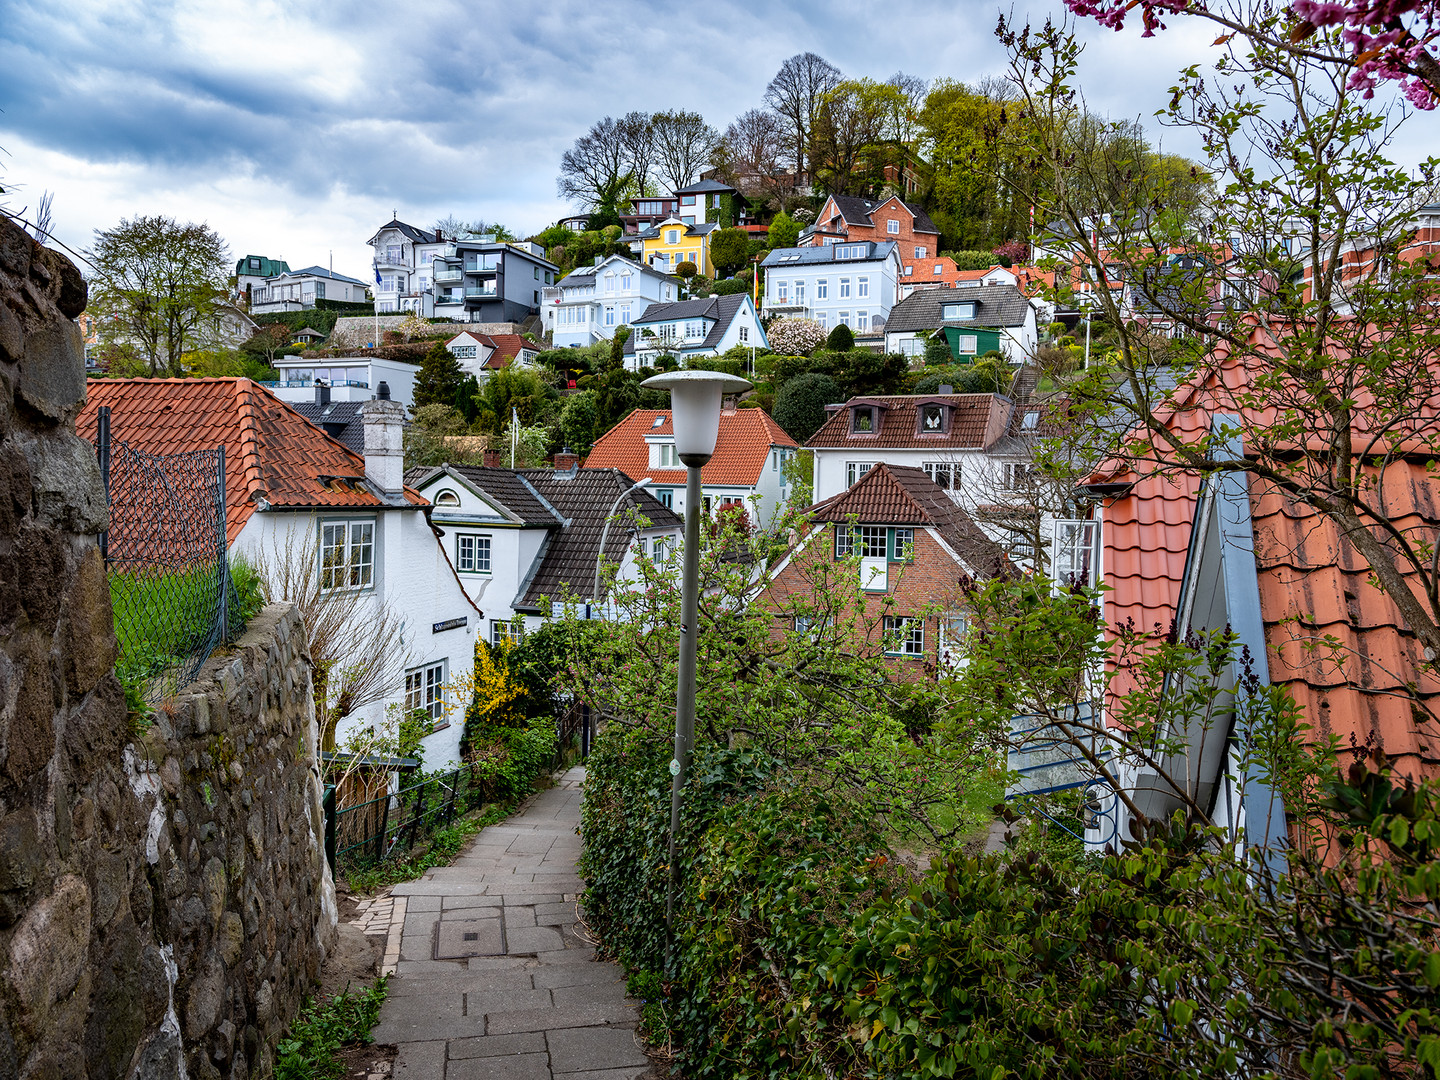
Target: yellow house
point(668, 244)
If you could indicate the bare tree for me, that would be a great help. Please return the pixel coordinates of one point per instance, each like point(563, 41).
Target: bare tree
point(795, 94)
point(637, 132)
point(595, 171)
point(751, 152)
point(356, 641)
point(903, 123)
point(684, 143)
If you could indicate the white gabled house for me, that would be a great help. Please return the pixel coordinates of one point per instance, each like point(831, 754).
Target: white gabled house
point(692, 330)
point(588, 303)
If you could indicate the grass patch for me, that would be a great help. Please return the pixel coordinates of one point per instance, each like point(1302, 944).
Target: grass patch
point(323, 1029)
point(444, 846)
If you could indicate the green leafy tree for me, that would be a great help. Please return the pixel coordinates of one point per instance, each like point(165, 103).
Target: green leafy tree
point(784, 231)
point(729, 249)
point(687, 270)
point(440, 379)
point(840, 339)
point(158, 287)
point(579, 420)
point(800, 404)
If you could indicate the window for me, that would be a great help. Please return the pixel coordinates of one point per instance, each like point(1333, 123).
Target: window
point(669, 459)
point(464, 352)
point(843, 317)
point(782, 291)
point(822, 289)
point(447, 498)
point(472, 554)
point(609, 315)
point(904, 547)
point(625, 314)
point(642, 547)
point(862, 320)
point(347, 555)
point(687, 200)
point(744, 335)
point(932, 418)
point(946, 474)
point(854, 470)
point(904, 636)
point(694, 330)
point(625, 280)
point(892, 227)
point(862, 417)
point(666, 497)
point(909, 270)
point(844, 288)
point(799, 292)
point(1076, 543)
point(672, 236)
point(957, 312)
point(939, 268)
point(967, 345)
point(537, 272)
point(1017, 474)
point(862, 287)
point(867, 541)
point(425, 691)
point(823, 318)
point(506, 631)
point(688, 220)
point(919, 253)
point(610, 282)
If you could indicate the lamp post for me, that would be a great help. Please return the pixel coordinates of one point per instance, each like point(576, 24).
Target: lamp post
point(695, 398)
point(605, 532)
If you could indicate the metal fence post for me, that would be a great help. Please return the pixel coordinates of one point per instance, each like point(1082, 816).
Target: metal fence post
point(327, 803)
point(102, 449)
point(384, 821)
point(454, 794)
point(222, 548)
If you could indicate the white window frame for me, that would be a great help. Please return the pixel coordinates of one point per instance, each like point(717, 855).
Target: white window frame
point(870, 541)
point(511, 631)
point(822, 289)
point(907, 634)
point(862, 288)
point(949, 470)
point(1016, 473)
point(1075, 554)
point(844, 293)
point(480, 553)
point(892, 227)
point(425, 692)
point(356, 571)
point(856, 470)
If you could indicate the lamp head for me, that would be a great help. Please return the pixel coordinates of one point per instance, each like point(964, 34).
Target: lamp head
point(695, 398)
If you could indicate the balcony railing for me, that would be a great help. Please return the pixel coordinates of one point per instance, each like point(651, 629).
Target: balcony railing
point(448, 298)
point(296, 383)
point(487, 264)
point(476, 292)
point(383, 260)
point(448, 275)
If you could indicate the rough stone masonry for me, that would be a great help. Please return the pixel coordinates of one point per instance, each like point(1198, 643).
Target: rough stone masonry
point(164, 901)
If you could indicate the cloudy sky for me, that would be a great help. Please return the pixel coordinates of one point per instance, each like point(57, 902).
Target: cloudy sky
point(295, 129)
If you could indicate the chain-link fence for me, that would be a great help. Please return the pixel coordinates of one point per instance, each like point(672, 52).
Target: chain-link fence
point(165, 555)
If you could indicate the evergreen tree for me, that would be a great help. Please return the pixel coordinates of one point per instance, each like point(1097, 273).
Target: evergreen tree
point(440, 378)
point(840, 339)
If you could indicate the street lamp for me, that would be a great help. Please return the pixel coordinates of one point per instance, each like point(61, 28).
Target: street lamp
point(605, 532)
point(695, 398)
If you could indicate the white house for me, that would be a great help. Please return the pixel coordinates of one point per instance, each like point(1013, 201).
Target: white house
point(982, 318)
point(350, 378)
point(691, 330)
point(482, 355)
point(748, 467)
point(589, 302)
point(404, 267)
point(296, 290)
point(520, 539)
point(854, 283)
point(293, 492)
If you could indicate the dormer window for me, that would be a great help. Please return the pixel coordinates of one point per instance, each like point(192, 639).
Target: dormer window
point(934, 419)
point(862, 419)
point(957, 312)
point(447, 498)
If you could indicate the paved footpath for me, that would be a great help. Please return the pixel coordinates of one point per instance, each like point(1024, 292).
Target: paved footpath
point(492, 976)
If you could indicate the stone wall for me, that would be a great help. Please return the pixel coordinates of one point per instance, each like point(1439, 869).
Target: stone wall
point(164, 904)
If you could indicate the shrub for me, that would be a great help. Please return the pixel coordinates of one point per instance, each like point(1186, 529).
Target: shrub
point(686, 269)
point(937, 350)
point(729, 287)
point(507, 760)
point(840, 339)
point(784, 231)
point(1012, 252)
point(797, 337)
point(800, 403)
point(971, 260)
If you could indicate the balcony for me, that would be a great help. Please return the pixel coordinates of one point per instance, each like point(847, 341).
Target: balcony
point(290, 384)
point(482, 264)
point(480, 292)
point(443, 276)
point(442, 299)
point(384, 261)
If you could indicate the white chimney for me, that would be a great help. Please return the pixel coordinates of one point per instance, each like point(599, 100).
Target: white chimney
point(384, 444)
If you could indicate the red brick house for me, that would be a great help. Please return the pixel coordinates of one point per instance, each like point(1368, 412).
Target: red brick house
point(917, 552)
point(846, 217)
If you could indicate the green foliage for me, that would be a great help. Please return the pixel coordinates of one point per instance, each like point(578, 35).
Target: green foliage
point(972, 260)
point(507, 760)
point(429, 440)
point(729, 287)
point(520, 389)
point(686, 269)
point(230, 364)
point(323, 1028)
point(441, 851)
point(800, 403)
point(937, 351)
point(784, 231)
point(440, 378)
point(729, 250)
point(247, 593)
point(840, 339)
point(982, 377)
point(580, 421)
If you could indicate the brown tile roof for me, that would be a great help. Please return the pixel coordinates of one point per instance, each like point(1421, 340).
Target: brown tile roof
point(271, 451)
point(584, 500)
point(978, 420)
point(507, 347)
point(902, 495)
point(741, 450)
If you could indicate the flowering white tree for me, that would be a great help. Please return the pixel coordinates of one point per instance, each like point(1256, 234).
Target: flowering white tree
point(795, 337)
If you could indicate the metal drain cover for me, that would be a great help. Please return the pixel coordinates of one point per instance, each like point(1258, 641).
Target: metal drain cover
point(469, 937)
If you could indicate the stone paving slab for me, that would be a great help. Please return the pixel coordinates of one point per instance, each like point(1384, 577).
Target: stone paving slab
point(494, 977)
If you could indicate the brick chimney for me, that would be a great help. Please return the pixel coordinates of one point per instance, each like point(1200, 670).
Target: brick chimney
point(384, 444)
point(728, 404)
point(492, 459)
point(567, 461)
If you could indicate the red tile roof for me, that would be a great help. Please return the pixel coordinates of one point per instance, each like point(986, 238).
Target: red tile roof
point(1332, 638)
point(271, 451)
point(741, 450)
point(507, 347)
point(978, 420)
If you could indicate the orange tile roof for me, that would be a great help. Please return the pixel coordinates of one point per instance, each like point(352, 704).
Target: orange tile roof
point(271, 451)
point(507, 347)
point(978, 420)
point(741, 450)
point(1332, 638)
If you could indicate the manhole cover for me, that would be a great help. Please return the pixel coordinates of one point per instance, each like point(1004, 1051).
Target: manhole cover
point(469, 937)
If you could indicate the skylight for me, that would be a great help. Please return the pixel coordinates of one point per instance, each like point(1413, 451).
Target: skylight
point(659, 422)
